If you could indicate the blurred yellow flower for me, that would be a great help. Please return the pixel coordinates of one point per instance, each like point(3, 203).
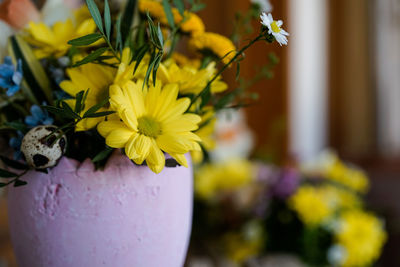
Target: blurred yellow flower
point(245, 244)
point(219, 45)
point(353, 178)
point(311, 205)
point(182, 60)
point(54, 41)
point(191, 24)
point(362, 236)
point(212, 179)
point(192, 80)
point(206, 133)
point(150, 121)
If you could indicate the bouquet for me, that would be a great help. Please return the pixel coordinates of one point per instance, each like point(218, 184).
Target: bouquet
point(248, 212)
point(110, 76)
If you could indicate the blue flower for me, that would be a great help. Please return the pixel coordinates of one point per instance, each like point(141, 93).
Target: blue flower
point(38, 117)
point(10, 76)
point(15, 143)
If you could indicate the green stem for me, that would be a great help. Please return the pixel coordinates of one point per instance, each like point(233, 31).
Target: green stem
point(239, 53)
point(111, 48)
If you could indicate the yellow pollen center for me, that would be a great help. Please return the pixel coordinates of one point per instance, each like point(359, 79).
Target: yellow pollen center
point(275, 28)
point(149, 127)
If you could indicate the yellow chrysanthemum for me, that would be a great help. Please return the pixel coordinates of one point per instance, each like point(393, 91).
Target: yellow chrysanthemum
point(192, 80)
point(212, 179)
point(217, 44)
point(206, 133)
point(54, 41)
point(316, 204)
point(362, 236)
point(353, 178)
point(92, 77)
point(151, 121)
point(193, 24)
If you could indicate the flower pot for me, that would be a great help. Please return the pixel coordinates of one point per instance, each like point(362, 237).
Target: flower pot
point(124, 216)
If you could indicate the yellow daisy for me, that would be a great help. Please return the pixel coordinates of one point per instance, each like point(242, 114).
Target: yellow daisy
point(151, 121)
point(54, 41)
point(217, 44)
point(193, 24)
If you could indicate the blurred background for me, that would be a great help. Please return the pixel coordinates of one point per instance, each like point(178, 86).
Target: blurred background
point(337, 86)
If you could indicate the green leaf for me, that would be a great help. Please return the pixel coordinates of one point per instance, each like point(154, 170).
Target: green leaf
point(140, 55)
point(180, 6)
point(19, 183)
point(14, 164)
point(107, 19)
point(197, 7)
point(160, 36)
point(95, 108)
point(127, 19)
point(3, 185)
point(149, 69)
point(168, 13)
point(118, 44)
point(94, 11)
point(157, 62)
point(35, 84)
point(91, 57)
point(102, 155)
point(19, 126)
point(58, 111)
point(84, 99)
point(98, 114)
point(68, 111)
point(78, 102)
point(85, 40)
point(7, 174)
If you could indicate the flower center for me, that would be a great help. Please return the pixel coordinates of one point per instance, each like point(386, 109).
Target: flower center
point(275, 28)
point(149, 127)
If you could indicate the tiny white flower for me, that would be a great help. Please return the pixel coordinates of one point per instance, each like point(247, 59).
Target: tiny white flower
point(274, 28)
point(265, 5)
point(336, 255)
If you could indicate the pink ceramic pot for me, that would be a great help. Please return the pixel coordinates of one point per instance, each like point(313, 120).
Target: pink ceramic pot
point(124, 216)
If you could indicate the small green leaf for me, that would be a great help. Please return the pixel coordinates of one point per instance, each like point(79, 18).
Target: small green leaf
point(14, 164)
point(3, 185)
point(7, 174)
point(94, 11)
point(102, 155)
point(140, 55)
point(127, 19)
point(95, 108)
point(168, 13)
point(58, 111)
point(68, 110)
point(197, 7)
point(157, 62)
point(78, 102)
point(98, 114)
point(19, 183)
point(107, 19)
point(85, 40)
point(91, 57)
point(180, 6)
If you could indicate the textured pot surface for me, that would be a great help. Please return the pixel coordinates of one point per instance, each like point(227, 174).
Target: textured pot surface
point(124, 216)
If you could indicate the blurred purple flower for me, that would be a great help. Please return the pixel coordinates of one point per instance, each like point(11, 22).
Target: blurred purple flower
point(10, 76)
point(286, 184)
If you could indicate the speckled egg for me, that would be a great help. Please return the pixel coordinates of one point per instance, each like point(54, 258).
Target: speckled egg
point(41, 152)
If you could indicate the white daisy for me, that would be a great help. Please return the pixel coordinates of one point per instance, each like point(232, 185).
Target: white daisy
point(264, 5)
point(274, 28)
